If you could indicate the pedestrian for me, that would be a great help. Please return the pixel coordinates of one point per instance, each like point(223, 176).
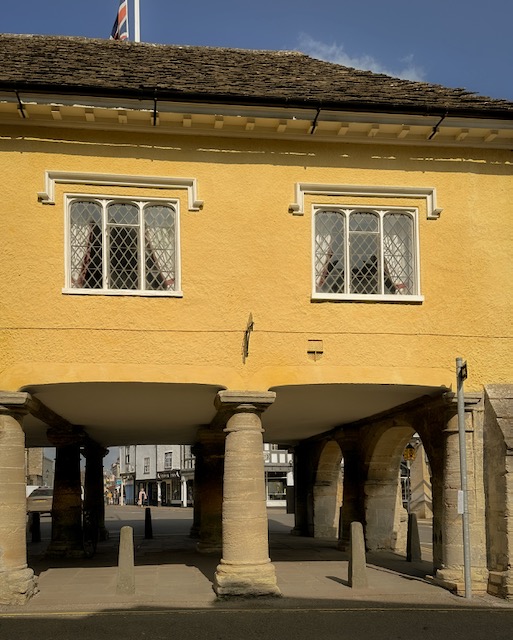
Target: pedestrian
point(142, 497)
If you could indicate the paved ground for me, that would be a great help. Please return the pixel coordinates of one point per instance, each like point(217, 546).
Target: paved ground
point(171, 575)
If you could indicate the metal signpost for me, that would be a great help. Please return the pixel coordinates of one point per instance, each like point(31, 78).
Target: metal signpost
point(461, 376)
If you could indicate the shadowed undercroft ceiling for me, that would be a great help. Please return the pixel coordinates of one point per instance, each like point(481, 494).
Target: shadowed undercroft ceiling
point(122, 413)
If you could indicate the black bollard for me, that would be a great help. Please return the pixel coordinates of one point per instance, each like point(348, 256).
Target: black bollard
point(148, 529)
point(413, 550)
point(35, 526)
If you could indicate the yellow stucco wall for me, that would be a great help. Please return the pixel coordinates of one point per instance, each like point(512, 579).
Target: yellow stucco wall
point(244, 252)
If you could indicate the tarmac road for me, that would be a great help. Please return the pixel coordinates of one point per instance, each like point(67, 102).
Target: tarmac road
point(249, 623)
point(174, 598)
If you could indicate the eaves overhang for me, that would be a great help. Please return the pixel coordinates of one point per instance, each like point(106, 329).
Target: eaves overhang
point(200, 114)
point(166, 94)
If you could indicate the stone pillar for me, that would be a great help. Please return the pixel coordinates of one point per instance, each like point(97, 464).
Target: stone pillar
point(67, 503)
point(196, 494)
point(353, 488)
point(452, 570)
point(245, 568)
point(94, 501)
point(303, 492)
point(498, 465)
point(208, 484)
point(17, 581)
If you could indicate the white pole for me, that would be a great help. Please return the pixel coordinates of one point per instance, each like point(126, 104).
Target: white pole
point(137, 21)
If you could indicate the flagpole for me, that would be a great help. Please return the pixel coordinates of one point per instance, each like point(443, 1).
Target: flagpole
point(137, 22)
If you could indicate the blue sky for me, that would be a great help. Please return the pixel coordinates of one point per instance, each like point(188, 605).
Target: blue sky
point(457, 43)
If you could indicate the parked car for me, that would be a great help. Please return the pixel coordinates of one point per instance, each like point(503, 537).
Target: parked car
point(40, 500)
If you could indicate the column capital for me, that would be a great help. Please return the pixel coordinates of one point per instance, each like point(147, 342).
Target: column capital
point(472, 401)
point(244, 401)
point(210, 435)
point(14, 403)
point(92, 448)
point(63, 437)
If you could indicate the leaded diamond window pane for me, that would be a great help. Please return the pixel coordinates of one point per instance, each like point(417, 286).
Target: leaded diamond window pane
point(399, 259)
point(361, 221)
point(330, 232)
point(364, 253)
point(123, 246)
point(123, 270)
point(160, 249)
point(86, 245)
point(123, 213)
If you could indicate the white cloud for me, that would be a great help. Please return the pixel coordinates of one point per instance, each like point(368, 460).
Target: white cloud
point(336, 53)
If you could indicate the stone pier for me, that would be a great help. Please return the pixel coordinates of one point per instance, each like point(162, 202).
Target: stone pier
point(208, 488)
point(17, 581)
point(245, 568)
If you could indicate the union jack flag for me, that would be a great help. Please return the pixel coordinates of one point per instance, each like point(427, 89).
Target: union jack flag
point(120, 28)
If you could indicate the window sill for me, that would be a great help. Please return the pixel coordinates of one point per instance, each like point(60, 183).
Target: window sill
point(348, 297)
point(123, 292)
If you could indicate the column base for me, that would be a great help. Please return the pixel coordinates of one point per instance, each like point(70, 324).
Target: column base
point(297, 531)
point(209, 547)
point(64, 550)
point(103, 534)
point(18, 586)
point(453, 579)
point(500, 584)
point(248, 580)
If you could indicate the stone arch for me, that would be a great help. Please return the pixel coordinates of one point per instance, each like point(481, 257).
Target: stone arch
point(498, 468)
point(385, 518)
point(327, 491)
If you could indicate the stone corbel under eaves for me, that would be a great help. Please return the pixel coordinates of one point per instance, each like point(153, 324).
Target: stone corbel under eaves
point(117, 180)
point(427, 193)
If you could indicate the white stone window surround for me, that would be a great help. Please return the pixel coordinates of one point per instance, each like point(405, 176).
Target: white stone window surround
point(428, 194)
point(119, 180)
point(173, 203)
point(367, 297)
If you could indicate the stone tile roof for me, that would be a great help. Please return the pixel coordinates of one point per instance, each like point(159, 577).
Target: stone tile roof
point(60, 64)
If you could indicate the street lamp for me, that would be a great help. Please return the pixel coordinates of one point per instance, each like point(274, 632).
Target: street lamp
point(409, 455)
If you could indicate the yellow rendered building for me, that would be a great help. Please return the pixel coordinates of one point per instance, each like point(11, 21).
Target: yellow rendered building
point(197, 243)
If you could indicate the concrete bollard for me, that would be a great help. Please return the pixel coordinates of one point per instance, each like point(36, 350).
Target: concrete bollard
point(35, 526)
point(357, 573)
point(413, 552)
point(126, 569)
point(148, 529)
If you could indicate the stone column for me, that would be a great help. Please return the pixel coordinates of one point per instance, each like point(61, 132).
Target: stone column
point(94, 501)
point(303, 491)
point(196, 493)
point(452, 570)
point(353, 509)
point(208, 483)
point(17, 581)
point(67, 503)
point(245, 568)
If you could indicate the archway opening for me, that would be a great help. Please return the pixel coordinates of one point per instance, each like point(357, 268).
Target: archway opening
point(398, 484)
point(327, 492)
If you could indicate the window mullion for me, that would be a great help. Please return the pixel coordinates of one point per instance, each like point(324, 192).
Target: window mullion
point(381, 261)
point(142, 250)
point(105, 247)
point(347, 247)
